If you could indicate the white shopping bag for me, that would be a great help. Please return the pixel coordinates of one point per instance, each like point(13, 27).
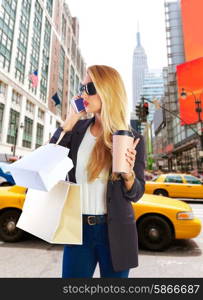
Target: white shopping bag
point(54, 216)
point(42, 168)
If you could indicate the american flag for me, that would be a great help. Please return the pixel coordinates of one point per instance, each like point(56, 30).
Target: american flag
point(34, 78)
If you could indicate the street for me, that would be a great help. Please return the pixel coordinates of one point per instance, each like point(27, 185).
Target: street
point(36, 258)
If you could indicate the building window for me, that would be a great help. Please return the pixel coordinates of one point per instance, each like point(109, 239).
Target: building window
point(16, 98)
point(14, 119)
point(73, 50)
point(68, 40)
point(10, 4)
point(38, 8)
point(72, 78)
point(77, 83)
point(7, 20)
point(45, 61)
point(63, 28)
point(4, 57)
point(78, 60)
point(40, 114)
point(30, 106)
point(2, 88)
point(43, 88)
point(27, 133)
point(39, 137)
point(61, 78)
point(49, 6)
point(20, 65)
point(22, 38)
point(36, 38)
point(71, 95)
point(24, 21)
point(37, 23)
point(1, 117)
point(26, 5)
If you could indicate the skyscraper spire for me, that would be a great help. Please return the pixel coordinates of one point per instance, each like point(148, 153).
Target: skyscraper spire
point(138, 35)
point(138, 40)
point(140, 67)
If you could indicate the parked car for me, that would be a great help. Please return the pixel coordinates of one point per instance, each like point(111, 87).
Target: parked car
point(175, 185)
point(160, 220)
point(6, 179)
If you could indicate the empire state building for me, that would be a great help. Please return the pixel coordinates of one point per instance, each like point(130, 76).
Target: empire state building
point(140, 68)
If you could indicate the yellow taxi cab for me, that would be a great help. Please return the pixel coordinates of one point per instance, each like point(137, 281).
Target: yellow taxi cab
point(159, 219)
point(175, 185)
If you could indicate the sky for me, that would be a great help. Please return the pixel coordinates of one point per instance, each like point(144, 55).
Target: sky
point(108, 33)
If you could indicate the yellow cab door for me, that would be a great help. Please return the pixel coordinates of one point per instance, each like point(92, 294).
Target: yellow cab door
point(174, 185)
point(194, 186)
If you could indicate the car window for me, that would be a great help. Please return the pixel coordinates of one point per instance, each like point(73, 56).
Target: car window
point(155, 178)
point(3, 164)
point(173, 179)
point(192, 180)
point(3, 171)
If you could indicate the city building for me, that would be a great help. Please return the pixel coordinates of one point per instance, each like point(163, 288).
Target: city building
point(177, 135)
point(190, 78)
point(152, 88)
point(175, 54)
point(41, 38)
point(177, 143)
point(140, 67)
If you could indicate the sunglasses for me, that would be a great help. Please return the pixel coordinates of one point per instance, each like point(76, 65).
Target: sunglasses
point(89, 88)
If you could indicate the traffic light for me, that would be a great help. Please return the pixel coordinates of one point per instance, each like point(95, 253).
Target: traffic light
point(142, 111)
point(145, 109)
point(138, 110)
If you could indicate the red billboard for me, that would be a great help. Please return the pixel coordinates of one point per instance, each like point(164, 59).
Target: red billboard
point(190, 77)
point(192, 24)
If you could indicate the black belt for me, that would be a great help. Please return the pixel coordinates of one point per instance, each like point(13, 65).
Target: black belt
point(93, 220)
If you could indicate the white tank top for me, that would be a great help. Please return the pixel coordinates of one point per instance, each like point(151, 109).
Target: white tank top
point(94, 193)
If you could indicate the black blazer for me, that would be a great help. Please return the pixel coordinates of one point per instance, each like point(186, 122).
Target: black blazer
point(121, 222)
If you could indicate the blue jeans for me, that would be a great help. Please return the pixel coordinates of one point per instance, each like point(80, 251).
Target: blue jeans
point(79, 261)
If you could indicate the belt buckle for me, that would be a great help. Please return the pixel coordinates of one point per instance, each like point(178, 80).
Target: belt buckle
point(89, 220)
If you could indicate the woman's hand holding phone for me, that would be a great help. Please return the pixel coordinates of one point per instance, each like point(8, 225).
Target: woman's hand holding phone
point(72, 117)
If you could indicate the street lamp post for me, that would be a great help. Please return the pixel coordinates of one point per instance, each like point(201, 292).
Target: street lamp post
point(157, 104)
point(15, 141)
point(15, 127)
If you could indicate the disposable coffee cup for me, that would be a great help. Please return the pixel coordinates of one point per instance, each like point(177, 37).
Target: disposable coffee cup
point(122, 140)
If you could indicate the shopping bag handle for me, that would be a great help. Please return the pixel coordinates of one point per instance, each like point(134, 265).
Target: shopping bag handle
point(60, 137)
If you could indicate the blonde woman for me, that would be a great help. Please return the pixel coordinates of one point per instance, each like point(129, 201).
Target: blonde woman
point(109, 227)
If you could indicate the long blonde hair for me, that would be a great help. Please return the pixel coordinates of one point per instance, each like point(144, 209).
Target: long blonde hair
point(111, 89)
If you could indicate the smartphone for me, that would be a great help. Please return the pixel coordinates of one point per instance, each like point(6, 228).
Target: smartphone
point(78, 104)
